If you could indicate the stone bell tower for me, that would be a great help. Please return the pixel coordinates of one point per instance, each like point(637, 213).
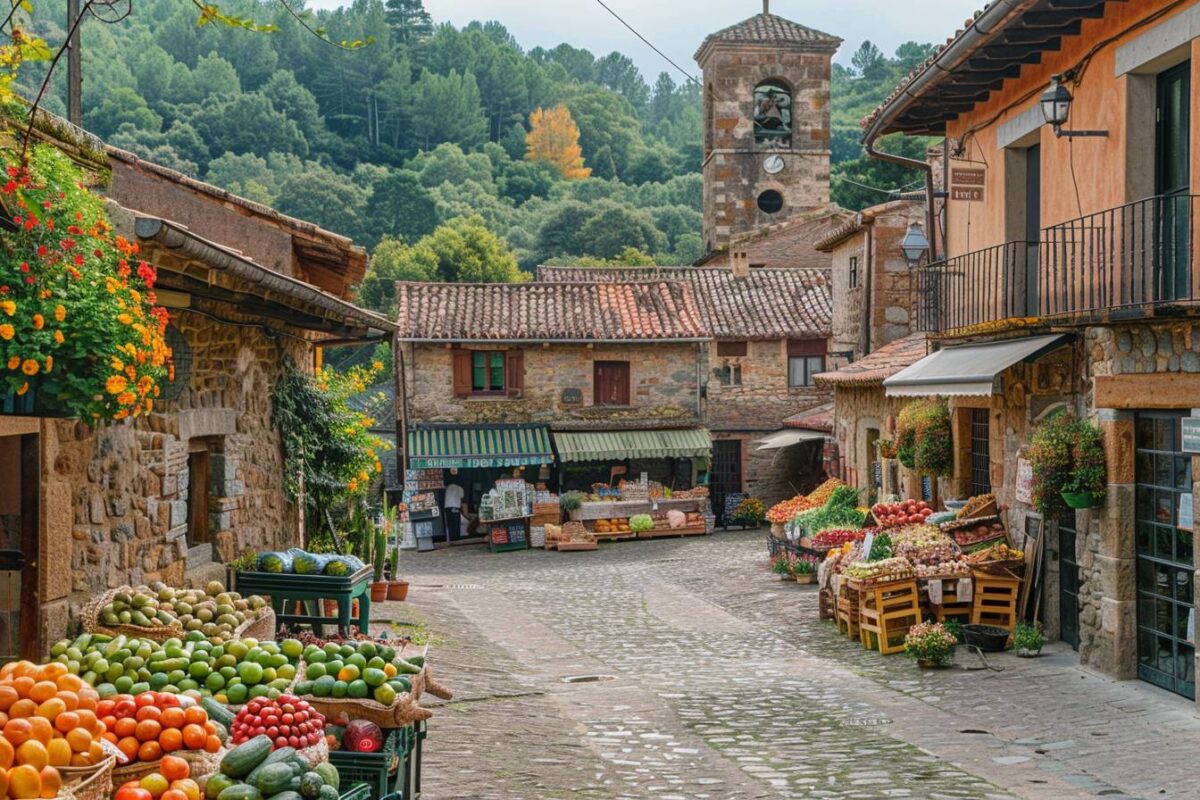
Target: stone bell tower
point(766, 124)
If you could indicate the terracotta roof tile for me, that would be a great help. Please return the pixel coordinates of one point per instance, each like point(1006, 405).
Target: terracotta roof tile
point(768, 304)
point(874, 368)
point(772, 29)
point(817, 418)
point(651, 310)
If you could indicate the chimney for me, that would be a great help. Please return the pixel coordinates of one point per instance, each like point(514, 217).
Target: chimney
point(739, 263)
point(766, 6)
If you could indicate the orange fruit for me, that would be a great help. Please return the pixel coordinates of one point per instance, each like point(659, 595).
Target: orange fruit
point(125, 727)
point(95, 753)
point(194, 737)
point(17, 732)
point(25, 669)
point(173, 794)
point(88, 698)
point(125, 707)
point(173, 718)
point(43, 731)
point(7, 753)
point(8, 696)
point(109, 736)
point(129, 746)
point(212, 744)
point(70, 699)
point(53, 671)
point(171, 739)
point(80, 740)
point(108, 722)
point(23, 708)
point(149, 751)
point(144, 699)
point(34, 754)
point(189, 787)
point(147, 730)
point(51, 708)
point(51, 782)
point(3, 782)
point(66, 721)
point(69, 683)
point(58, 753)
point(43, 691)
point(23, 684)
point(195, 715)
point(174, 768)
point(149, 712)
point(155, 783)
point(24, 783)
point(210, 727)
point(89, 722)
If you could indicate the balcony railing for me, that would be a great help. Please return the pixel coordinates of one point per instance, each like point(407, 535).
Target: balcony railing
point(1125, 262)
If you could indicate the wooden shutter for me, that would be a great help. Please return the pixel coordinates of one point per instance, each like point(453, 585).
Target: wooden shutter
point(807, 347)
point(515, 377)
point(611, 383)
point(462, 372)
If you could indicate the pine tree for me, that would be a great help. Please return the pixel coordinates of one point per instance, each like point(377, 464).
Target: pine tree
point(409, 20)
point(554, 138)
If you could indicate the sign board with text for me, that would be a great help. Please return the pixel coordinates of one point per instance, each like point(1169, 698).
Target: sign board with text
point(967, 184)
point(1190, 428)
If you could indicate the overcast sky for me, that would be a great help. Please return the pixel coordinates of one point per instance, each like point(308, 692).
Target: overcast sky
point(678, 26)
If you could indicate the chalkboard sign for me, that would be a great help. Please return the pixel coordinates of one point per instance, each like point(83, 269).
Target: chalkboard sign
point(731, 502)
point(877, 469)
point(572, 397)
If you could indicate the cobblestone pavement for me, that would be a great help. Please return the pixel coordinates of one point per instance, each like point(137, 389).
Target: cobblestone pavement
point(718, 681)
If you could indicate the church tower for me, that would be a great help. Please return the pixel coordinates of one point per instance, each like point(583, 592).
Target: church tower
point(766, 124)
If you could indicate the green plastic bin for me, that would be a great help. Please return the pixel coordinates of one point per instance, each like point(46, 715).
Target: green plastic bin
point(357, 791)
point(383, 771)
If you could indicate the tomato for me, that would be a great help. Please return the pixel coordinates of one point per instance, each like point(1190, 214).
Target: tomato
point(133, 792)
point(281, 742)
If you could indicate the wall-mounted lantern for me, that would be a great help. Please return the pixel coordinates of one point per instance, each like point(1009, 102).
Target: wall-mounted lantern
point(915, 245)
point(1056, 109)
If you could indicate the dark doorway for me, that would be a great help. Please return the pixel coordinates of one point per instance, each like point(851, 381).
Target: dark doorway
point(726, 474)
point(199, 476)
point(1033, 226)
point(610, 381)
point(981, 453)
point(1068, 582)
point(1165, 559)
point(20, 632)
point(1172, 176)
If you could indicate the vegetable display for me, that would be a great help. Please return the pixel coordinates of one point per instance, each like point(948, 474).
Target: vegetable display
point(286, 721)
point(788, 509)
point(171, 781)
point(834, 537)
point(234, 671)
point(820, 496)
point(883, 571)
point(255, 770)
point(891, 515)
point(300, 562)
point(975, 505)
point(358, 670)
point(924, 544)
point(641, 522)
point(213, 611)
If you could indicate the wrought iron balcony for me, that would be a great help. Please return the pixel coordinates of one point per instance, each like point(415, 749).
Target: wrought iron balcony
point(1124, 263)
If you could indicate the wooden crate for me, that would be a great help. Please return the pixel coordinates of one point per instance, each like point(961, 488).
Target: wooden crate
point(886, 613)
point(995, 601)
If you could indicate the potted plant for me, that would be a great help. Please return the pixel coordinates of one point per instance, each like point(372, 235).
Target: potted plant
point(954, 628)
point(749, 513)
point(930, 644)
point(397, 589)
point(805, 569)
point(781, 565)
point(379, 587)
point(570, 503)
point(1069, 465)
point(1028, 640)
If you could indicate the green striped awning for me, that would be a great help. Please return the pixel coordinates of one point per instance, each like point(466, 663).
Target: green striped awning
point(470, 446)
point(621, 445)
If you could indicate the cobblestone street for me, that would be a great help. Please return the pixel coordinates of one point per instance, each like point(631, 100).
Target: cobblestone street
point(718, 681)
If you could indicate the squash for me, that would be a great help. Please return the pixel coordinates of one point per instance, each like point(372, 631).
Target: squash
point(241, 760)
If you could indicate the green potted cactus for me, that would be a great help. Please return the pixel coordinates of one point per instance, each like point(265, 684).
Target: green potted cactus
point(379, 587)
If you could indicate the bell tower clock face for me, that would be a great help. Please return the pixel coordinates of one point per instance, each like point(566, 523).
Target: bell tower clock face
point(773, 164)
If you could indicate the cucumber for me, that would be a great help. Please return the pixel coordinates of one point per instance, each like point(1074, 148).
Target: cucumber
point(218, 712)
point(240, 791)
point(418, 661)
point(241, 760)
point(280, 756)
point(406, 667)
point(273, 778)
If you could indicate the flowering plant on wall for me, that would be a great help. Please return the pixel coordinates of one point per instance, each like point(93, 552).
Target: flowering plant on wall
point(78, 320)
point(1067, 457)
point(924, 439)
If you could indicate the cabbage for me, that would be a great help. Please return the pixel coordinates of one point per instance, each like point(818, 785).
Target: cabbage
point(641, 522)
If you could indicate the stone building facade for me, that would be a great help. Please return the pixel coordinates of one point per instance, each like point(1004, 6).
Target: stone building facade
point(176, 494)
point(766, 122)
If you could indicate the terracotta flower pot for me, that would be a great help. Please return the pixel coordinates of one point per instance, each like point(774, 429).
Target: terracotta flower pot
point(379, 591)
point(804, 577)
point(397, 590)
point(929, 663)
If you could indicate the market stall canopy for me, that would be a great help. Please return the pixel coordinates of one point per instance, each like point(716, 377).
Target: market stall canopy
point(477, 446)
point(621, 445)
point(968, 369)
point(787, 438)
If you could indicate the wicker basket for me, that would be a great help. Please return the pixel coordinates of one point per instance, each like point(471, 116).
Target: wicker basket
point(133, 772)
point(261, 627)
point(1009, 568)
point(89, 783)
point(403, 711)
point(203, 763)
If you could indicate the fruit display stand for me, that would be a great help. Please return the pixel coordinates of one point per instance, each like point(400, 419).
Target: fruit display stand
point(995, 601)
point(885, 614)
point(287, 588)
point(382, 772)
point(504, 535)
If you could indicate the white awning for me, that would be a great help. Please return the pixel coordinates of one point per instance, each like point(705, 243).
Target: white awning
point(787, 438)
point(968, 369)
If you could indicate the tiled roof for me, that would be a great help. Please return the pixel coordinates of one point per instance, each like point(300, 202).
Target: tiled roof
point(788, 243)
point(772, 29)
point(650, 310)
point(767, 304)
point(856, 223)
point(817, 418)
point(874, 368)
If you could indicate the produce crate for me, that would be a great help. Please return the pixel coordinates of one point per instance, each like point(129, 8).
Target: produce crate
point(357, 791)
point(284, 587)
point(382, 771)
point(412, 778)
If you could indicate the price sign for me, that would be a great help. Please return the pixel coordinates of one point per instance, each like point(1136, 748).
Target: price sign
point(868, 543)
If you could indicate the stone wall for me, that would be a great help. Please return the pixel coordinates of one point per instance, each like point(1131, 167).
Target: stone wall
point(733, 173)
point(857, 410)
point(662, 377)
point(763, 399)
point(115, 499)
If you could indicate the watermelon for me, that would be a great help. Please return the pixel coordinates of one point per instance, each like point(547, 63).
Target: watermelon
point(362, 736)
point(307, 563)
point(340, 565)
point(277, 563)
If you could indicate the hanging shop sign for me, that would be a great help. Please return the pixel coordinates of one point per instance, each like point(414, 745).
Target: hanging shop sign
point(967, 184)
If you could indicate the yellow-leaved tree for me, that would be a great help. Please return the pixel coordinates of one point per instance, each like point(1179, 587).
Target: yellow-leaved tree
point(554, 138)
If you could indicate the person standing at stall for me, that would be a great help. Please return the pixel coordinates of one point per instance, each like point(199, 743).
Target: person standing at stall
point(452, 508)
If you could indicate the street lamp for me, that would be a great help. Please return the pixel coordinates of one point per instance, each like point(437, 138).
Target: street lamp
point(915, 245)
point(1056, 109)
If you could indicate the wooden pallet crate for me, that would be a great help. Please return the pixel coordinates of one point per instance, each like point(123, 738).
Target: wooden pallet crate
point(886, 613)
point(995, 601)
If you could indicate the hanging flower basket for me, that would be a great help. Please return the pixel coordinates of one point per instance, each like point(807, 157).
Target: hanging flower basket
point(1080, 500)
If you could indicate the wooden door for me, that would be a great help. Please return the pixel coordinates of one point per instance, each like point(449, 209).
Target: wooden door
point(611, 383)
point(726, 474)
point(199, 473)
point(1173, 185)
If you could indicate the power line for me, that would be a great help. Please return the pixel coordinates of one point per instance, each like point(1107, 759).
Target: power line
point(876, 188)
point(649, 44)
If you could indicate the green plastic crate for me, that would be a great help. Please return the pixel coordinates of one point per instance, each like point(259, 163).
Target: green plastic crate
point(357, 791)
point(380, 770)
